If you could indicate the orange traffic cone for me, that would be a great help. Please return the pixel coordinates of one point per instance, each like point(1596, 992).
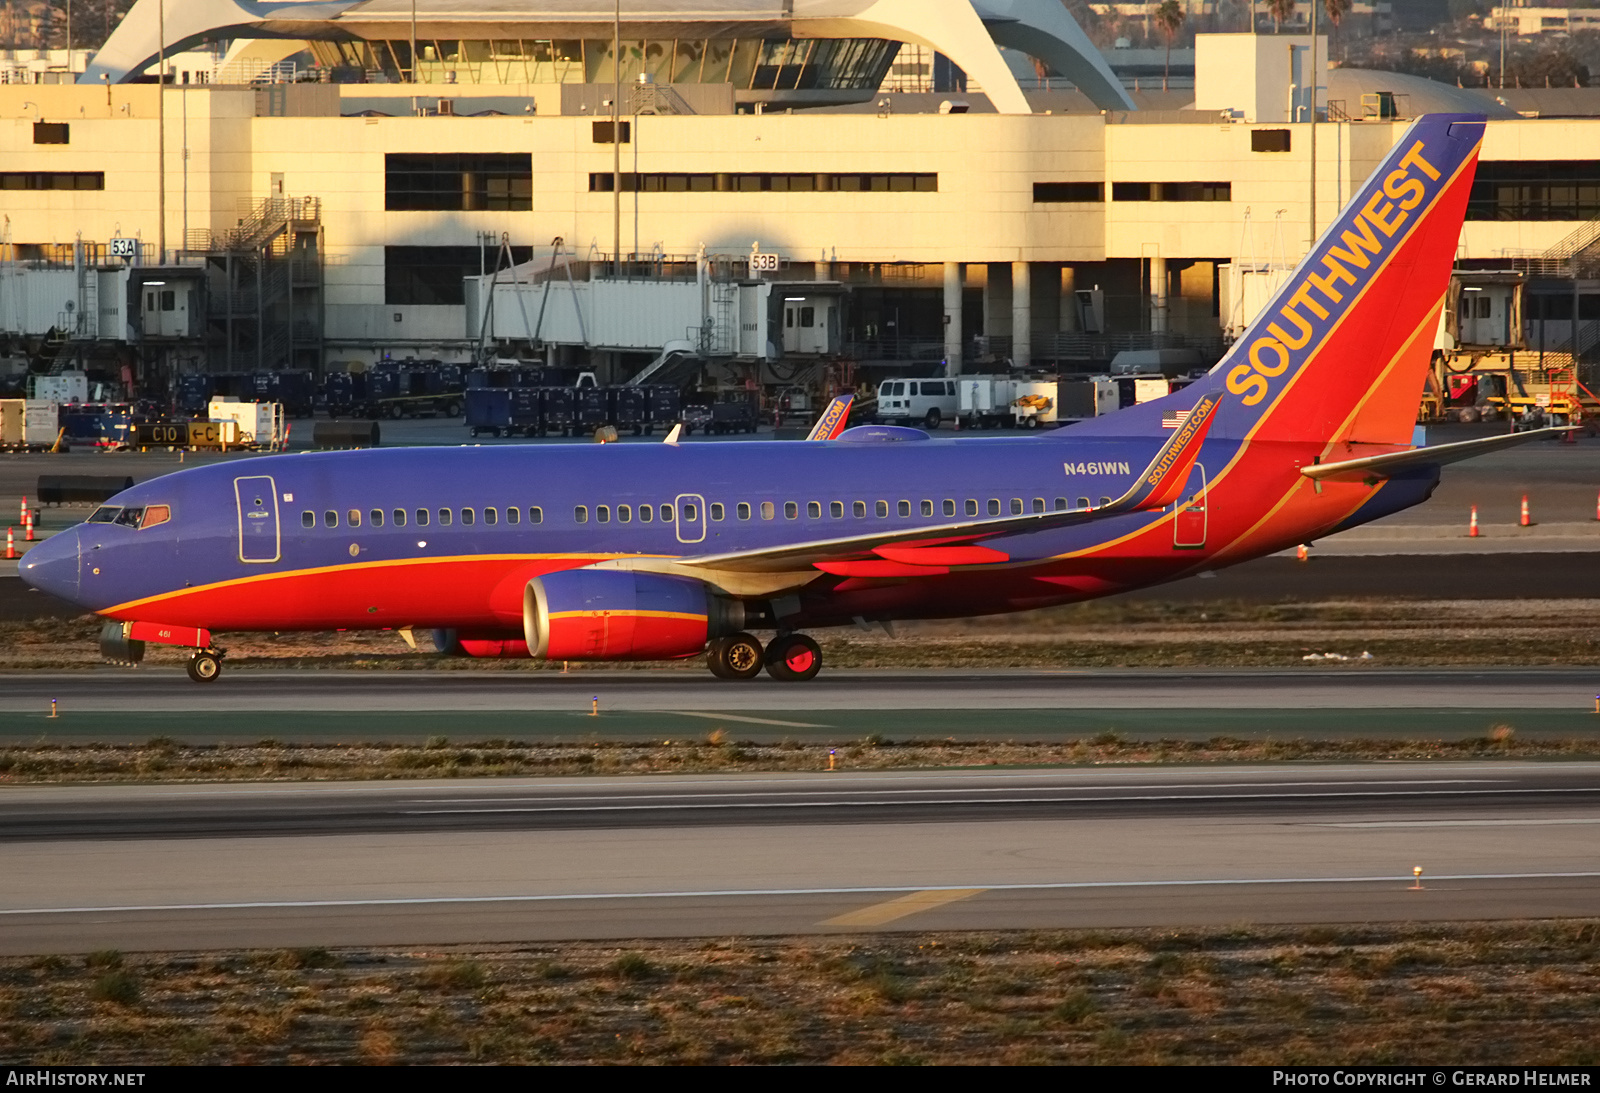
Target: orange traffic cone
point(23, 515)
point(1301, 552)
point(1472, 526)
point(11, 543)
point(1526, 521)
point(27, 525)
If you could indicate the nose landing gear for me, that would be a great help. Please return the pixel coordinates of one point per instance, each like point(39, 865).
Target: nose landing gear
point(205, 666)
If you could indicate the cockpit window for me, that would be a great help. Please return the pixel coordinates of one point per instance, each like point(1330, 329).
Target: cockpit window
point(105, 514)
point(156, 514)
point(129, 517)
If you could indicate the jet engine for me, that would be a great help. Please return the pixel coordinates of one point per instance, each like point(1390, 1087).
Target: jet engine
point(613, 614)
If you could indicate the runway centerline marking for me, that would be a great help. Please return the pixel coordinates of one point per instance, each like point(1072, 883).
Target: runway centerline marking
point(878, 914)
point(747, 720)
point(730, 893)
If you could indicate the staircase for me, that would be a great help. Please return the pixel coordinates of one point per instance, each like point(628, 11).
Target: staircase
point(1576, 256)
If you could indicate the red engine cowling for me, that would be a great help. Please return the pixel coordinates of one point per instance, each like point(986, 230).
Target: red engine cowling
point(455, 643)
point(612, 614)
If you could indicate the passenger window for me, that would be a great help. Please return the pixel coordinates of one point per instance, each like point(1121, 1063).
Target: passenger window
point(667, 515)
point(972, 507)
point(1016, 506)
point(581, 514)
point(422, 518)
point(330, 519)
point(904, 508)
point(813, 510)
point(768, 510)
point(648, 513)
point(791, 511)
point(624, 514)
point(155, 514)
point(744, 510)
point(375, 518)
point(602, 514)
point(308, 519)
point(1061, 504)
point(399, 517)
point(491, 516)
point(1083, 502)
point(445, 516)
point(535, 515)
point(1038, 504)
point(927, 508)
point(859, 508)
point(949, 507)
point(354, 517)
point(468, 517)
point(717, 511)
point(994, 506)
point(836, 509)
point(882, 508)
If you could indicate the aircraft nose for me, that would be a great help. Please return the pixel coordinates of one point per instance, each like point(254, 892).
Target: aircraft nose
point(52, 566)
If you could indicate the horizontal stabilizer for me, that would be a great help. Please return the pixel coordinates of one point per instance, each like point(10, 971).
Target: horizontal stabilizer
point(1391, 463)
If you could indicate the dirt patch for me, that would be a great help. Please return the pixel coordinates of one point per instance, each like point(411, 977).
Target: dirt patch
point(1500, 993)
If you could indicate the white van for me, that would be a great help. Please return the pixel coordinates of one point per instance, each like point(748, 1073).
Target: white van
point(919, 402)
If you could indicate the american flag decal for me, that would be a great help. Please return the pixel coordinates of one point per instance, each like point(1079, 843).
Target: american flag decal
point(1174, 419)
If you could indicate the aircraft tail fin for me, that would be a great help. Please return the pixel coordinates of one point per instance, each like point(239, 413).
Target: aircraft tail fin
point(1341, 353)
point(833, 419)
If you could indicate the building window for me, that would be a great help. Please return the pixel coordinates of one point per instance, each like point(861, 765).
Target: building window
point(52, 180)
point(602, 131)
point(1269, 140)
point(50, 132)
point(434, 275)
point(1172, 191)
point(1535, 190)
point(1067, 193)
point(458, 182)
point(729, 182)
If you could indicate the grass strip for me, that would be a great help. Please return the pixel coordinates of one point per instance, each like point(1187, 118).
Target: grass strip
point(1419, 995)
point(163, 759)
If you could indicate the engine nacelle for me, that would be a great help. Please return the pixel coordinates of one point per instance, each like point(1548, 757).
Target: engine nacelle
point(612, 614)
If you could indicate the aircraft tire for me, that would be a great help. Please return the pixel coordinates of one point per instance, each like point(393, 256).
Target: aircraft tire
point(737, 656)
point(714, 658)
point(793, 658)
point(204, 667)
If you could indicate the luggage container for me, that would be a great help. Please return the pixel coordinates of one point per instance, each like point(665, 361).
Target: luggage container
point(663, 409)
point(558, 410)
point(630, 408)
point(488, 410)
point(594, 409)
point(98, 424)
point(28, 424)
point(345, 393)
point(984, 402)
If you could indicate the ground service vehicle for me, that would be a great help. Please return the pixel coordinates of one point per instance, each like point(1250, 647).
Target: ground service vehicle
point(927, 402)
point(656, 551)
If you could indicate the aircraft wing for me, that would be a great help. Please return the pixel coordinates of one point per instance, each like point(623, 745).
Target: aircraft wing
point(925, 551)
point(1389, 463)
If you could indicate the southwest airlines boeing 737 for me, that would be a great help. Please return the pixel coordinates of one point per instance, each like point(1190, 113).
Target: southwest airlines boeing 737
point(631, 552)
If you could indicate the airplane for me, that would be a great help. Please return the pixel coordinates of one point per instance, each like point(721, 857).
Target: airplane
point(668, 551)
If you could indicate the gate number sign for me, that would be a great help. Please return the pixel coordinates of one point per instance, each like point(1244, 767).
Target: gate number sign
point(124, 248)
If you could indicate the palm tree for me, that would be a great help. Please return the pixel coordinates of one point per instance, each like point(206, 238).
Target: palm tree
point(1169, 15)
point(1337, 10)
point(1281, 11)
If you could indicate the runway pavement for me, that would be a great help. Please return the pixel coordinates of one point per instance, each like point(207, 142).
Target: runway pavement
point(164, 867)
point(1348, 700)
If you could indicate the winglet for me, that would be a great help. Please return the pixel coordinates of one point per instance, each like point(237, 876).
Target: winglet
point(1162, 482)
point(672, 437)
point(833, 419)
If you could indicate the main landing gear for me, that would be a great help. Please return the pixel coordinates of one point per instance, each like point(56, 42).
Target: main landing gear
point(791, 658)
point(205, 666)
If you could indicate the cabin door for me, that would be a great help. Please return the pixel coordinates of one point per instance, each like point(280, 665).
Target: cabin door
point(1189, 525)
point(259, 537)
point(691, 518)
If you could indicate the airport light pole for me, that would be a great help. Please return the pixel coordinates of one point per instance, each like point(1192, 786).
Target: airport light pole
point(616, 139)
point(413, 58)
point(161, 131)
point(1316, 72)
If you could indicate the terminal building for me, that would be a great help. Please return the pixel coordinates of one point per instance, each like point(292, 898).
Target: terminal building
point(501, 179)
